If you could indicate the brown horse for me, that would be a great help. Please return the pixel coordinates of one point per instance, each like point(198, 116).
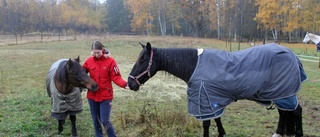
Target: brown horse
point(64, 84)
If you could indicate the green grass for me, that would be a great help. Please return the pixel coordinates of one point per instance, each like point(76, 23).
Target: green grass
point(158, 109)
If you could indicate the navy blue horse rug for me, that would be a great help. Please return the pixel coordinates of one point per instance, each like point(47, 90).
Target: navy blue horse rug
point(265, 74)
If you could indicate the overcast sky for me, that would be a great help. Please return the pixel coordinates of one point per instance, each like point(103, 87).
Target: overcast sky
point(101, 1)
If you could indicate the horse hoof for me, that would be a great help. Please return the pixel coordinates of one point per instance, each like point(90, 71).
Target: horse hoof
point(276, 135)
point(75, 135)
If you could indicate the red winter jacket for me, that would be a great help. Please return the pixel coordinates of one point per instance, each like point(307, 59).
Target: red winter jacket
point(103, 71)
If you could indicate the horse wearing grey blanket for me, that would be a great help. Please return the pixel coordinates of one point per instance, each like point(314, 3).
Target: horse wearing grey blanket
point(64, 84)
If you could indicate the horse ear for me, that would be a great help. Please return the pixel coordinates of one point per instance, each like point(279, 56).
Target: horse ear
point(148, 47)
point(77, 59)
point(69, 63)
point(143, 46)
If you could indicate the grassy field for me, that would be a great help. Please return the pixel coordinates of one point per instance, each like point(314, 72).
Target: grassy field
point(158, 109)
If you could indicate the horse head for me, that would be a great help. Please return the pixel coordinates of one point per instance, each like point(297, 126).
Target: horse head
point(144, 68)
point(78, 77)
point(307, 38)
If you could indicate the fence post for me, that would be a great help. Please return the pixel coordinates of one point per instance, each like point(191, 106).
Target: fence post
point(306, 50)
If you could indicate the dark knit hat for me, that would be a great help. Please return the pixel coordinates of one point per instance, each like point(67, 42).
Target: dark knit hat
point(97, 45)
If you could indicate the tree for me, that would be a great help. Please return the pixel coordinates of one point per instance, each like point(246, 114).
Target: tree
point(194, 15)
point(142, 19)
point(309, 15)
point(161, 7)
point(268, 16)
point(116, 16)
point(290, 13)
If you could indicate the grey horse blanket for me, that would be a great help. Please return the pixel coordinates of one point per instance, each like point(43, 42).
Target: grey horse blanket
point(265, 74)
point(62, 105)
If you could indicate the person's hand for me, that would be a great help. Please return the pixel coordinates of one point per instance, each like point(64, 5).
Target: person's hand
point(127, 86)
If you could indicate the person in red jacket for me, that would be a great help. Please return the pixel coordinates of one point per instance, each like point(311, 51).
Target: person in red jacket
point(104, 70)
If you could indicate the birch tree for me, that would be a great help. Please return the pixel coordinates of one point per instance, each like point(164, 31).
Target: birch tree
point(268, 16)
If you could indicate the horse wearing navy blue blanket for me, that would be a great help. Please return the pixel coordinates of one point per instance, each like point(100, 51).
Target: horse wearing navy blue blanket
point(64, 81)
point(265, 74)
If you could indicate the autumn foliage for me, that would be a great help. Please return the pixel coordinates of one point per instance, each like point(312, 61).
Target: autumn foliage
point(232, 19)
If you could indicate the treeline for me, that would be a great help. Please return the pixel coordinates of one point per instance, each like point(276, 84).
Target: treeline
point(233, 20)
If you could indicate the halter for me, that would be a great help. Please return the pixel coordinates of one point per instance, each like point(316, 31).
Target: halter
point(144, 72)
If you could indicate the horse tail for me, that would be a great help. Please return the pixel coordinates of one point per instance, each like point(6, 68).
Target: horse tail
point(48, 81)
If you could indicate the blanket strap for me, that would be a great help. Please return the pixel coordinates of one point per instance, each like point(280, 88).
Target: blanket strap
point(271, 107)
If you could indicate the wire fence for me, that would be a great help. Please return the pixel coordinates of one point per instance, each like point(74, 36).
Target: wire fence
point(33, 37)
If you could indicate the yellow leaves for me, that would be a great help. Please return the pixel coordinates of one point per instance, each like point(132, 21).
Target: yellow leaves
point(77, 13)
point(141, 14)
point(281, 15)
point(268, 10)
point(309, 12)
point(288, 15)
point(148, 26)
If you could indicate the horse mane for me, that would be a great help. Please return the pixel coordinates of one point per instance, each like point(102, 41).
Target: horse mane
point(311, 35)
point(179, 62)
point(62, 71)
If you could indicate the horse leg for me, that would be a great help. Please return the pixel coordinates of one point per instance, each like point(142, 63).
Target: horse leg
point(206, 125)
point(220, 127)
point(290, 123)
point(297, 114)
point(73, 119)
point(281, 124)
point(60, 126)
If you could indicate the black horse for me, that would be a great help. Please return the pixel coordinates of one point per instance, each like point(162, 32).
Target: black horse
point(65, 79)
point(265, 74)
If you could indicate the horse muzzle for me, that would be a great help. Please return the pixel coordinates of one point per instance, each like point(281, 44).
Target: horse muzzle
point(135, 89)
point(94, 88)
